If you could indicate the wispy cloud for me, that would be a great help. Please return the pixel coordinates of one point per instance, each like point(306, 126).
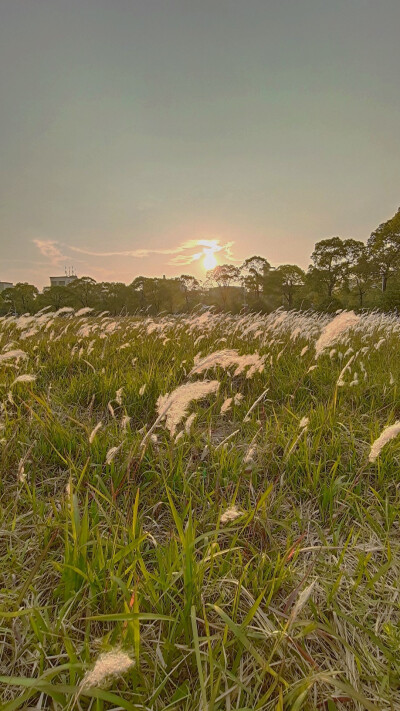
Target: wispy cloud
point(183, 254)
point(50, 250)
point(138, 253)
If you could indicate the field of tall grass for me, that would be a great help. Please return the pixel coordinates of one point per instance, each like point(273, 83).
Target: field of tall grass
point(199, 512)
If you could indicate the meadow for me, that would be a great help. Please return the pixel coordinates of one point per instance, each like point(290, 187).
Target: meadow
point(199, 511)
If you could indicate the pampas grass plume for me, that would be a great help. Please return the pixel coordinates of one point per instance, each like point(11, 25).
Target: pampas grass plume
point(108, 665)
point(386, 436)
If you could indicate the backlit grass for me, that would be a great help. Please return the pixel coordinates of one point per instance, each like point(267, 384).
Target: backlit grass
point(293, 604)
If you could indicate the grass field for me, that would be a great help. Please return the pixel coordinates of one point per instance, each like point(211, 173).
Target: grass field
point(235, 551)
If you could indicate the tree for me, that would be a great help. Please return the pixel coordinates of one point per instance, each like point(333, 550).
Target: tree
point(149, 293)
point(85, 290)
point(291, 278)
point(21, 297)
point(139, 286)
point(114, 297)
point(329, 260)
point(56, 297)
point(170, 293)
point(360, 271)
point(188, 285)
point(224, 275)
point(156, 294)
point(253, 272)
point(384, 249)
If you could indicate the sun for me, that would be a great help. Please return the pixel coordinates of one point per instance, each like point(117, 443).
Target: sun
point(209, 259)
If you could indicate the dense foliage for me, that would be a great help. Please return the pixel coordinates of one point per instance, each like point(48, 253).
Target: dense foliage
point(199, 512)
point(343, 274)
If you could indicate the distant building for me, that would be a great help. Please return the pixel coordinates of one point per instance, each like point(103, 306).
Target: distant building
point(63, 280)
point(5, 285)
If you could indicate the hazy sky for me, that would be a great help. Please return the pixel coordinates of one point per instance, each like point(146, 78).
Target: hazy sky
point(146, 125)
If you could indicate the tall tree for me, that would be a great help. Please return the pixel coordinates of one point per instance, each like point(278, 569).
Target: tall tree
point(329, 260)
point(253, 273)
point(139, 286)
point(291, 278)
point(189, 285)
point(384, 248)
point(224, 275)
point(360, 270)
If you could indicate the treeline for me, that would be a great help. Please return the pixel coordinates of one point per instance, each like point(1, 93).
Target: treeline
point(344, 273)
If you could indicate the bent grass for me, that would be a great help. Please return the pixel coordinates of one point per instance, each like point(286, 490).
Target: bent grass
point(231, 581)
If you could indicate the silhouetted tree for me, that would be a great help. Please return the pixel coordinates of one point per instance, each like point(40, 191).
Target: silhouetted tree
point(384, 248)
point(253, 273)
point(329, 260)
point(360, 271)
point(291, 278)
point(224, 275)
point(189, 286)
point(343, 273)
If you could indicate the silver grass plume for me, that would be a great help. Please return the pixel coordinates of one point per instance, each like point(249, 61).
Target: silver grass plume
point(108, 665)
point(174, 406)
point(386, 436)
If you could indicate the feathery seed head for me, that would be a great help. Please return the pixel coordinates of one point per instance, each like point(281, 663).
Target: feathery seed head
point(108, 665)
point(94, 432)
point(386, 435)
point(175, 404)
point(27, 378)
point(230, 514)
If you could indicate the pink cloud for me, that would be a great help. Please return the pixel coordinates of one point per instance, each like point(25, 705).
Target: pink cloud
point(181, 255)
point(50, 250)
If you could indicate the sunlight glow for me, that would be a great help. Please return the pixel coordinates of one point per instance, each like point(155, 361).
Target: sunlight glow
point(209, 260)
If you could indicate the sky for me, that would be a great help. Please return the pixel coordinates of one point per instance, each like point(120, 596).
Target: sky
point(135, 134)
